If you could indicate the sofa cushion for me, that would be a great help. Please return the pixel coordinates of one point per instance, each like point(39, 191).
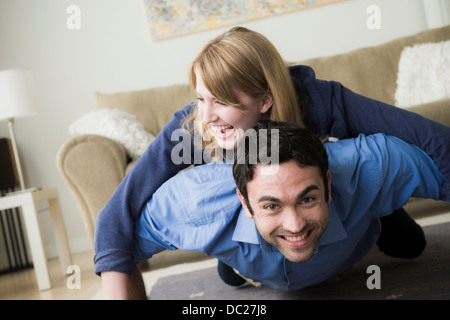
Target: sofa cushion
point(153, 107)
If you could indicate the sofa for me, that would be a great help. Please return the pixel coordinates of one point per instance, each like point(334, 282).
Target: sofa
point(93, 165)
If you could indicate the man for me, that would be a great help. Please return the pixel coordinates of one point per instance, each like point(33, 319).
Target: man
point(298, 222)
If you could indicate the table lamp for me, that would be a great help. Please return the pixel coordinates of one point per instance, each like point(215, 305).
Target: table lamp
point(17, 99)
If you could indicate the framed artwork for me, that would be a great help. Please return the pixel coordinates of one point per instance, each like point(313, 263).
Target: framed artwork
point(172, 18)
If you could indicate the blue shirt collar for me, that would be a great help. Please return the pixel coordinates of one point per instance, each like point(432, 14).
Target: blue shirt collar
point(335, 231)
point(245, 230)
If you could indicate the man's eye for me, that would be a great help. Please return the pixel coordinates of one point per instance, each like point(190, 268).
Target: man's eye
point(270, 206)
point(308, 200)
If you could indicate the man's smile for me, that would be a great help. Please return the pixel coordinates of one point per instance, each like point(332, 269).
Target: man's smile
point(297, 241)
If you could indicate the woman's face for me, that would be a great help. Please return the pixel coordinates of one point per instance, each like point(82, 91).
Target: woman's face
point(228, 123)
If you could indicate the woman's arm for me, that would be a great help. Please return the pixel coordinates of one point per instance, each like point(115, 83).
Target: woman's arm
point(121, 286)
point(336, 111)
point(364, 115)
point(115, 223)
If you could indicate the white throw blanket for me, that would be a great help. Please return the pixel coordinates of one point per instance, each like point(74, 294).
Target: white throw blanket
point(117, 125)
point(423, 74)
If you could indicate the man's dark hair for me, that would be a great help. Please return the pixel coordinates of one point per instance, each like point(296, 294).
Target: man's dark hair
point(293, 143)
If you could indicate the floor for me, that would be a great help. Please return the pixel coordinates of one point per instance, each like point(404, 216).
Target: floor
point(21, 285)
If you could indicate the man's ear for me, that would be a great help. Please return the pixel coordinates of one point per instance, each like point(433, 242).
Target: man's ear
point(244, 204)
point(329, 185)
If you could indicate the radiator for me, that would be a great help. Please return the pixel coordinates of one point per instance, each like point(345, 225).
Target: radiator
point(14, 253)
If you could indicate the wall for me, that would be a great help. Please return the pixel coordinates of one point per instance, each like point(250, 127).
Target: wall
point(113, 51)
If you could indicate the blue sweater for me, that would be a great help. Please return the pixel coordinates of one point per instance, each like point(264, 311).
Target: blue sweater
point(331, 110)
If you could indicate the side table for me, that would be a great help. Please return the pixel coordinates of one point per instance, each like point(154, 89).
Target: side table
point(27, 201)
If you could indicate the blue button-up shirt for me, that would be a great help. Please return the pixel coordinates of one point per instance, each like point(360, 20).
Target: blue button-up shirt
point(371, 176)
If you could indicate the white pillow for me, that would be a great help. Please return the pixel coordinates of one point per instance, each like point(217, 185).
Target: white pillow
point(423, 74)
point(116, 125)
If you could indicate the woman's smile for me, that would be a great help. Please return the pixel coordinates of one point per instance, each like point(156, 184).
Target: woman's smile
point(222, 132)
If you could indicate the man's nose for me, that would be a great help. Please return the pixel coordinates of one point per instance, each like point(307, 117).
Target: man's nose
point(293, 221)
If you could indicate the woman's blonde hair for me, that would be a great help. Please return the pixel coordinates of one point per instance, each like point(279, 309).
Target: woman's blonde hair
point(246, 60)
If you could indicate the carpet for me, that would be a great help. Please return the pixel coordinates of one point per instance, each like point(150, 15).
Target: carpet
point(425, 277)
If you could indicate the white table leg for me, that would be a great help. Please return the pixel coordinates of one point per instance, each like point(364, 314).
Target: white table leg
point(65, 257)
point(36, 245)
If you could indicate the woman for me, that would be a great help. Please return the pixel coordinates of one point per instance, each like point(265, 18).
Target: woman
point(242, 69)
point(240, 78)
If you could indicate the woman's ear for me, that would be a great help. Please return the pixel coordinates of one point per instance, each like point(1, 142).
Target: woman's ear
point(266, 102)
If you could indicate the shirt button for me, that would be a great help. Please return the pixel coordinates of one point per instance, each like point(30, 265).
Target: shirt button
point(289, 273)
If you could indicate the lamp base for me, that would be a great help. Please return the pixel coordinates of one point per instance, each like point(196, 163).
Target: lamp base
point(16, 153)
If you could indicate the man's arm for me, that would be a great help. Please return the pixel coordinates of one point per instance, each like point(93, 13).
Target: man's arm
point(404, 171)
point(175, 217)
point(121, 286)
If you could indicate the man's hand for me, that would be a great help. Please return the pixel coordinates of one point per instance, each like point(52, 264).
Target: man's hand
point(121, 286)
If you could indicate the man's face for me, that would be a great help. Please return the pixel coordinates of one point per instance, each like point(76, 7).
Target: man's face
point(289, 208)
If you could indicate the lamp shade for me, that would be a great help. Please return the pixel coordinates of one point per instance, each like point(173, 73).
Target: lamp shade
point(17, 94)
